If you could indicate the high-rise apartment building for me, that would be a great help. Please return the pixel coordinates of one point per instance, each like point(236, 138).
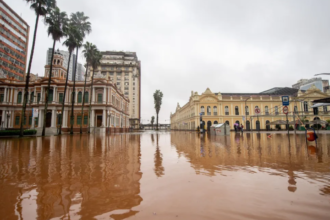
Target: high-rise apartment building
point(80, 67)
point(124, 69)
point(14, 39)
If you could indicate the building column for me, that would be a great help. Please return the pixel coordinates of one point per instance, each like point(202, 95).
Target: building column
point(40, 121)
point(93, 97)
point(53, 123)
point(104, 115)
point(92, 117)
point(54, 94)
point(36, 95)
point(15, 96)
point(3, 122)
point(32, 124)
point(65, 119)
point(104, 95)
point(5, 96)
point(41, 95)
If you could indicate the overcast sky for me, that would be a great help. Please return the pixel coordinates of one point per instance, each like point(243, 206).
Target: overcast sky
point(189, 45)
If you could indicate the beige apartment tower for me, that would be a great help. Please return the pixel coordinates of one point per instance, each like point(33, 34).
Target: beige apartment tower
point(124, 70)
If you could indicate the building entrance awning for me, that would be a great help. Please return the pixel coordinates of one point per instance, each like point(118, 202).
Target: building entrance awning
point(320, 104)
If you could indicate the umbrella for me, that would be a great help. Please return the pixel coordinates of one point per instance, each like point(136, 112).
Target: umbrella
point(317, 122)
point(296, 122)
point(277, 122)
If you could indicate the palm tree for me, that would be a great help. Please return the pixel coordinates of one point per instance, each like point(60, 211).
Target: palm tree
point(41, 8)
point(158, 96)
point(79, 20)
point(95, 62)
point(74, 37)
point(57, 26)
point(152, 121)
point(89, 51)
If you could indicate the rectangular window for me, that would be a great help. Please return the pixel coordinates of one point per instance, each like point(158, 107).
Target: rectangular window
point(78, 120)
point(99, 98)
point(85, 119)
point(2, 96)
point(17, 118)
point(37, 121)
point(38, 97)
point(60, 97)
point(24, 122)
point(30, 120)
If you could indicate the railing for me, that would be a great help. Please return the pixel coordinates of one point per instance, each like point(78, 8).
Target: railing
point(215, 113)
point(247, 113)
point(209, 113)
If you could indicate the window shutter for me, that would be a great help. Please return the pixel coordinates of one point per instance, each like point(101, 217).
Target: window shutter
point(60, 98)
point(99, 98)
point(85, 119)
point(80, 97)
point(17, 120)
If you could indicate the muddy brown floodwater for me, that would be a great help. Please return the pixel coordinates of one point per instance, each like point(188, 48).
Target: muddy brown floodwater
point(165, 175)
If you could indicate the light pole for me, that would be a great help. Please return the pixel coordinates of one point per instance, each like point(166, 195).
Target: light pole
point(8, 116)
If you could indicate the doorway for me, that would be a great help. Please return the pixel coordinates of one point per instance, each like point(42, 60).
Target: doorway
point(48, 119)
point(258, 125)
point(248, 125)
point(98, 120)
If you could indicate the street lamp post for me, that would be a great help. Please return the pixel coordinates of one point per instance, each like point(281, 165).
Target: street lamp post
point(8, 116)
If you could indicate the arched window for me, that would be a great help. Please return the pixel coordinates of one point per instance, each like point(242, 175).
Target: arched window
point(215, 110)
point(247, 110)
point(86, 97)
point(325, 108)
point(276, 110)
point(208, 110)
point(32, 97)
point(305, 106)
point(226, 111)
point(202, 110)
point(79, 97)
point(19, 98)
point(266, 110)
point(236, 110)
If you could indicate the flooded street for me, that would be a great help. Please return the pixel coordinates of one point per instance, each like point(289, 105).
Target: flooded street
point(165, 175)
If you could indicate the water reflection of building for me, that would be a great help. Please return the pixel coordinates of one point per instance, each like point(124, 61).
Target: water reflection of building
point(71, 178)
point(159, 169)
point(254, 153)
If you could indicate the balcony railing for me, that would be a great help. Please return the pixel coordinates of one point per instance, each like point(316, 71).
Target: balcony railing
point(215, 113)
point(209, 113)
point(247, 113)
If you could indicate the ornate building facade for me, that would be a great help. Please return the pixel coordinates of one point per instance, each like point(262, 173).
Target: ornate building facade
point(239, 108)
point(124, 70)
point(109, 106)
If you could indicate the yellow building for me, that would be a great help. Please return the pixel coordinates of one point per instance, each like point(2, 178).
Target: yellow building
point(240, 108)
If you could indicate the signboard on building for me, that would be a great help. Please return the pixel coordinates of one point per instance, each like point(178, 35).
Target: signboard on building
point(285, 100)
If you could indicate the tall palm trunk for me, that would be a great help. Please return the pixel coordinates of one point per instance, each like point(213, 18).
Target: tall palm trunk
point(47, 91)
point(64, 95)
point(90, 105)
point(83, 101)
point(73, 93)
point(25, 99)
point(157, 122)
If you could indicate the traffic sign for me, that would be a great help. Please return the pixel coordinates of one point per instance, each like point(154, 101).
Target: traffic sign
point(285, 100)
point(257, 110)
point(285, 110)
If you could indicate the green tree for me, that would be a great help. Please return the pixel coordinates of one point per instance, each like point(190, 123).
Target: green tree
point(152, 121)
point(41, 8)
point(95, 62)
point(89, 52)
point(57, 26)
point(158, 96)
point(74, 37)
point(80, 21)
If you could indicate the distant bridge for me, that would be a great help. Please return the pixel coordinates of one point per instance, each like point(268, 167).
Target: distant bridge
point(154, 126)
